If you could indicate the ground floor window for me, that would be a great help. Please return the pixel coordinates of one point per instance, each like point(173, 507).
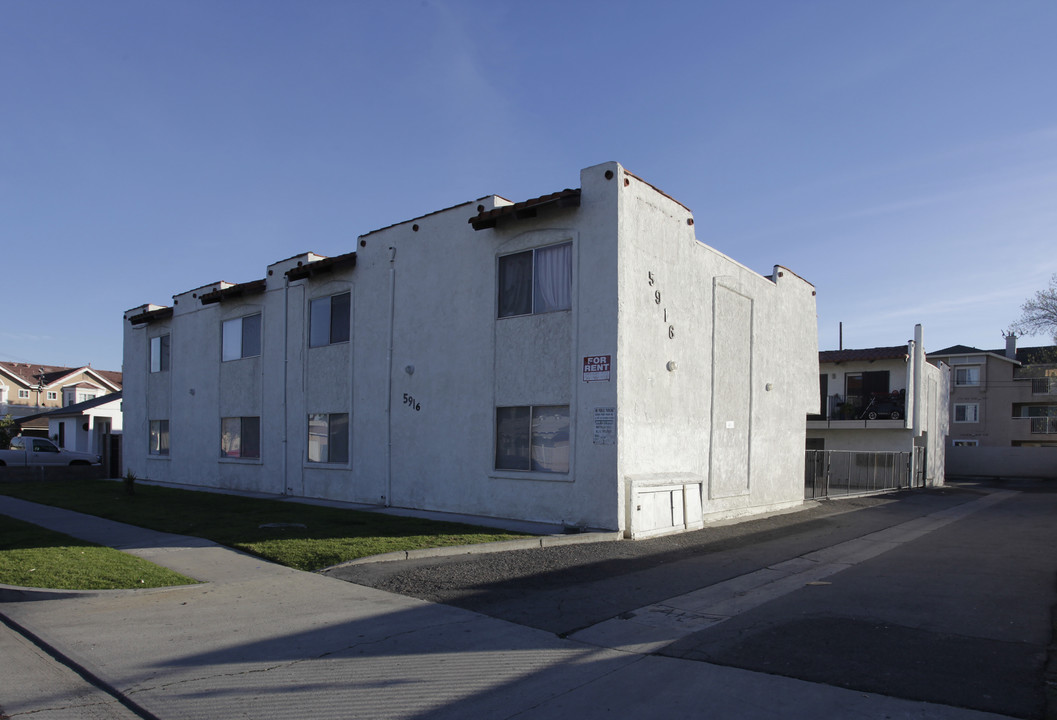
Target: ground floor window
point(966, 412)
point(964, 443)
point(159, 437)
point(328, 438)
point(532, 437)
point(240, 437)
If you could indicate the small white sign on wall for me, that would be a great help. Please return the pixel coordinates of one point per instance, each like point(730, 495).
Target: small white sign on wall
point(597, 368)
point(605, 425)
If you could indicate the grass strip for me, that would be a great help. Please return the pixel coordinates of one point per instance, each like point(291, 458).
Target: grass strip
point(32, 556)
point(299, 535)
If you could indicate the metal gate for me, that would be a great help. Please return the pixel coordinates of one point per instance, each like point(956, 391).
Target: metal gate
point(848, 472)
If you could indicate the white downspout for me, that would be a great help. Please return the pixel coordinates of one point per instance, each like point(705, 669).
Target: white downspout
point(286, 375)
point(919, 385)
point(389, 384)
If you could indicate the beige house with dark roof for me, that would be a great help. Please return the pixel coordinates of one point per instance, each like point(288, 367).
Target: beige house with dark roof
point(29, 387)
point(1002, 398)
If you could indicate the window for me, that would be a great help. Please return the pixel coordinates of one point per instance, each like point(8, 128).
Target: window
point(53, 395)
point(240, 437)
point(964, 443)
point(532, 438)
point(329, 320)
point(44, 446)
point(242, 337)
point(966, 412)
point(536, 281)
point(328, 438)
point(159, 437)
point(24, 394)
point(159, 353)
point(853, 389)
point(966, 376)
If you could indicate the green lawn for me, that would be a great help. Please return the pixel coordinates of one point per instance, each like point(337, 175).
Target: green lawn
point(329, 535)
point(33, 556)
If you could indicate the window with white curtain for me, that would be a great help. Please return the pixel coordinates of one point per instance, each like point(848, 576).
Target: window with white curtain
point(329, 320)
point(966, 376)
point(532, 437)
point(536, 281)
point(328, 438)
point(967, 412)
point(241, 337)
point(240, 437)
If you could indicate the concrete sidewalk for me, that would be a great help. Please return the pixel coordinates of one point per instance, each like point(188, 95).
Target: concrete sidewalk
point(257, 640)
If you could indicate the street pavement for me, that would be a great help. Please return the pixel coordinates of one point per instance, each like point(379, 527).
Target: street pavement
point(256, 640)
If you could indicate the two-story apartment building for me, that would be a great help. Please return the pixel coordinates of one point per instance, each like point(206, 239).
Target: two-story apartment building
point(884, 399)
point(577, 358)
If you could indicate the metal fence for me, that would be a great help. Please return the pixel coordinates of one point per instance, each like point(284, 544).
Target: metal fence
point(846, 472)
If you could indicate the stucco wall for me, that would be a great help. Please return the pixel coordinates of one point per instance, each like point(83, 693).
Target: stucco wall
point(1005, 462)
point(429, 361)
point(719, 364)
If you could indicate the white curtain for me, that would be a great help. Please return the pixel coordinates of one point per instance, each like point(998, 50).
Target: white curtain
point(553, 278)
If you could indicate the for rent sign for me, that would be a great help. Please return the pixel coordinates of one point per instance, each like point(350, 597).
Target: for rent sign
point(597, 367)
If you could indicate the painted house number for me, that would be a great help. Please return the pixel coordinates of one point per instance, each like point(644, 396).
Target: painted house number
point(410, 401)
point(657, 300)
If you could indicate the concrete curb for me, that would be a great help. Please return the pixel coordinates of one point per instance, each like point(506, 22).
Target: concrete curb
point(484, 548)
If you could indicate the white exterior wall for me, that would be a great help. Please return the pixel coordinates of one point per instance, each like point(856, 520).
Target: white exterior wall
point(88, 439)
point(927, 417)
point(745, 354)
point(430, 286)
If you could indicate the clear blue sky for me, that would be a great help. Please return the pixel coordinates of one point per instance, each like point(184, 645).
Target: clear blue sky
point(900, 154)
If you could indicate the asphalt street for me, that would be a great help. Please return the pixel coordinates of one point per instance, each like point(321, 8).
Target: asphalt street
point(956, 612)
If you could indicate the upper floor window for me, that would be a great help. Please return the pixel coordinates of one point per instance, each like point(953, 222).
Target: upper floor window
point(536, 281)
point(242, 337)
point(329, 320)
point(23, 393)
point(966, 376)
point(966, 412)
point(159, 353)
point(53, 395)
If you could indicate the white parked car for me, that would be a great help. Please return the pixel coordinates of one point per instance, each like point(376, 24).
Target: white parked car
point(41, 451)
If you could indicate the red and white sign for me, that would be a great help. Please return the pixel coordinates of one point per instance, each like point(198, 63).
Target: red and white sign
point(597, 368)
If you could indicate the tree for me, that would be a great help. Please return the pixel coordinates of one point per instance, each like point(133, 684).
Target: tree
point(1039, 314)
point(8, 429)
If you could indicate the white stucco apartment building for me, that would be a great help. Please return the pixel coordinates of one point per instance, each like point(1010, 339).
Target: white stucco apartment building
point(884, 399)
point(578, 358)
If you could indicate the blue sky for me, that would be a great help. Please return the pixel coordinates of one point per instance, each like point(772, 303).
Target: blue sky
point(900, 155)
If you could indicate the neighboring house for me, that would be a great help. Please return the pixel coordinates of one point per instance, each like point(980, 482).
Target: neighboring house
point(82, 426)
point(883, 399)
point(1003, 409)
point(1002, 398)
point(29, 388)
point(578, 358)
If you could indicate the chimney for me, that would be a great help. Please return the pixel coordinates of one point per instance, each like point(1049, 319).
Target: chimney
point(1011, 346)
